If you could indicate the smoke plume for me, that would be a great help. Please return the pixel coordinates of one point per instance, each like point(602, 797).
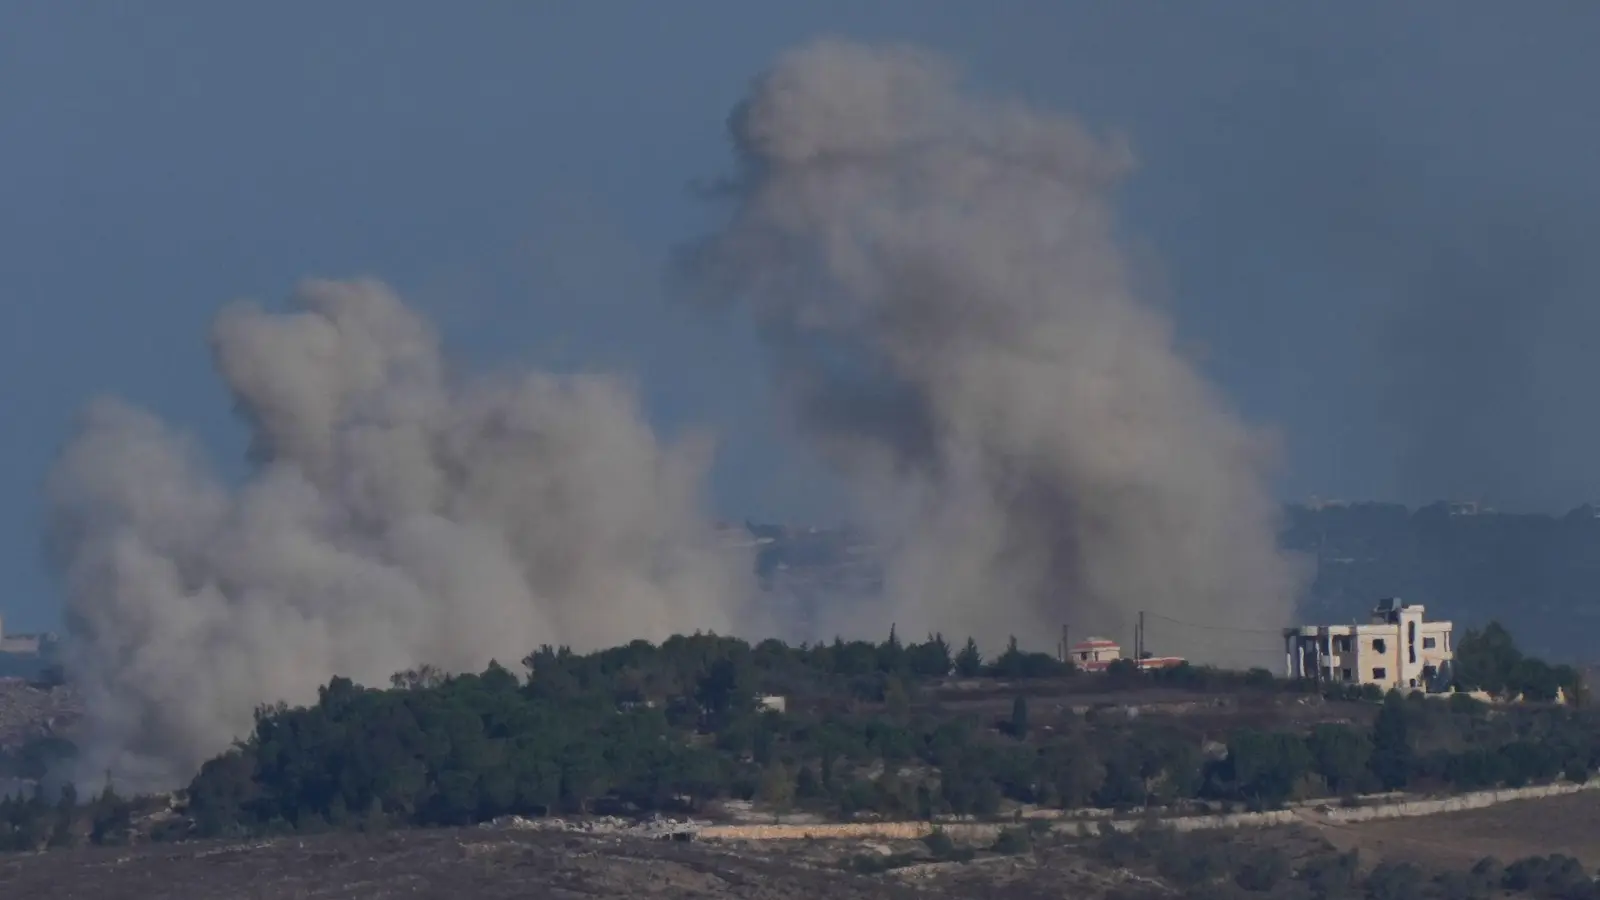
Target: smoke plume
point(952, 324)
point(397, 516)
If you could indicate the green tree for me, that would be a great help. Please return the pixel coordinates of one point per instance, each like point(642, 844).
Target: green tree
point(1535, 680)
point(720, 693)
point(1171, 766)
point(807, 786)
point(1019, 717)
point(777, 788)
point(1122, 673)
point(969, 662)
point(1073, 773)
point(932, 658)
point(1340, 755)
point(1392, 759)
point(1012, 663)
point(891, 654)
point(1486, 659)
point(1012, 841)
point(1267, 766)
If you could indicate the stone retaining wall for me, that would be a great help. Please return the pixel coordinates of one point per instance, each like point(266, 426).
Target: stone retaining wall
point(985, 832)
point(1458, 803)
point(893, 831)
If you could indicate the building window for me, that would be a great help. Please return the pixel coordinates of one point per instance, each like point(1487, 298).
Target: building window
point(1347, 675)
point(1429, 643)
point(1379, 645)
point(1341, 643)
point(1380, 674)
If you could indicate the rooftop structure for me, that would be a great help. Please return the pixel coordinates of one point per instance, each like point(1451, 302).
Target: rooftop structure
point(1097, 654)
point(1398, 648)
point(26, 644)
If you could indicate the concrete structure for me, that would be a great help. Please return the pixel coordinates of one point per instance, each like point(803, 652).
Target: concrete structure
point(1097, 654)
point(22, 644)
point(772, 703)
point(1398, 648)
point(25, 644)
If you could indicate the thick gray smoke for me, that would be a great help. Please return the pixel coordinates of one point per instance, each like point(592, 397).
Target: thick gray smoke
point(398, 517)
point(952, 322)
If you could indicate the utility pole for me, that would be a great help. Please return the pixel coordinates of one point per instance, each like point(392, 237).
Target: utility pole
point(1138, 648)
point(1066, 648)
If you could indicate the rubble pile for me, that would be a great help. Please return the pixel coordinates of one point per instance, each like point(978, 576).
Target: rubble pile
point(28, 710)
point(660, 827)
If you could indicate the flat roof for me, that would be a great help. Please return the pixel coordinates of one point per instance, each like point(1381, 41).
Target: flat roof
point(1358, 627)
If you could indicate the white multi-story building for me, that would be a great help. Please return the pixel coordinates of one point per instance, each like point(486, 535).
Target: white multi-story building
point(1399, 648)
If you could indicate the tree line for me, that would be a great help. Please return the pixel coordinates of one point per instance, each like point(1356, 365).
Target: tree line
point(680, 727)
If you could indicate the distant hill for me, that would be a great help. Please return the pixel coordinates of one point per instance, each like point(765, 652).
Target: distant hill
point(1539, 574)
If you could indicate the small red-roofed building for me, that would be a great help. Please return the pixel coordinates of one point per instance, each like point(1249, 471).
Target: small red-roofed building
point(1097, 654)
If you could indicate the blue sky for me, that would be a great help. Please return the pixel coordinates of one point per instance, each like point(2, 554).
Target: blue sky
point(1371, 222)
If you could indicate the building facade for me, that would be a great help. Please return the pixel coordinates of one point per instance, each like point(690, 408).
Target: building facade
point(24, 644)
point(1399, 648)
point(1097, 654)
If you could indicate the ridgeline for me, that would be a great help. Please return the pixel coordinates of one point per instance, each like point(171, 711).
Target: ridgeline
point(894, 729)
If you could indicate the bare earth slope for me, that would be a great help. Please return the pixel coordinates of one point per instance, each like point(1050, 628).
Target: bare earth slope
point(476, 864)
point(1569, 825)
point(488, 864)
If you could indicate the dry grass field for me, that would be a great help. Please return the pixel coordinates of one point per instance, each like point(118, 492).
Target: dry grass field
point(442, 864)
point(491, 864)
point(1569, 825)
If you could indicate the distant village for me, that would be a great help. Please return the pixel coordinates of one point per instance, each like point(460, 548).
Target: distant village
point(25, 644)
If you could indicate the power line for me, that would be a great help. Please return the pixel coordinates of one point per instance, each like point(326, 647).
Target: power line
point(1206, 627)
point(1199, 641)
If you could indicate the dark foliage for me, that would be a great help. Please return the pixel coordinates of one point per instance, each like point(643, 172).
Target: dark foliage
point(678, 726)
point(1217, 865)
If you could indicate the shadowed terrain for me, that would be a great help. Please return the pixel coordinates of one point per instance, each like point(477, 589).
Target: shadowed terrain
point(480, 864)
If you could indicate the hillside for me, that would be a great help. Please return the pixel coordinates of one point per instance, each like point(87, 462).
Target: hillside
point(702, 724)
point(1539, 574)
point(1472, 856)
point(444, 864)
point(370, 792)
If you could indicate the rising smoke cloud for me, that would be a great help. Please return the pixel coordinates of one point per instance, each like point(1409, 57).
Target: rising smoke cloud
point(398, 516)
point(952, 324)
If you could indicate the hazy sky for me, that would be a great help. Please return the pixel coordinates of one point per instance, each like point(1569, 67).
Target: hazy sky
point(1371, 222)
